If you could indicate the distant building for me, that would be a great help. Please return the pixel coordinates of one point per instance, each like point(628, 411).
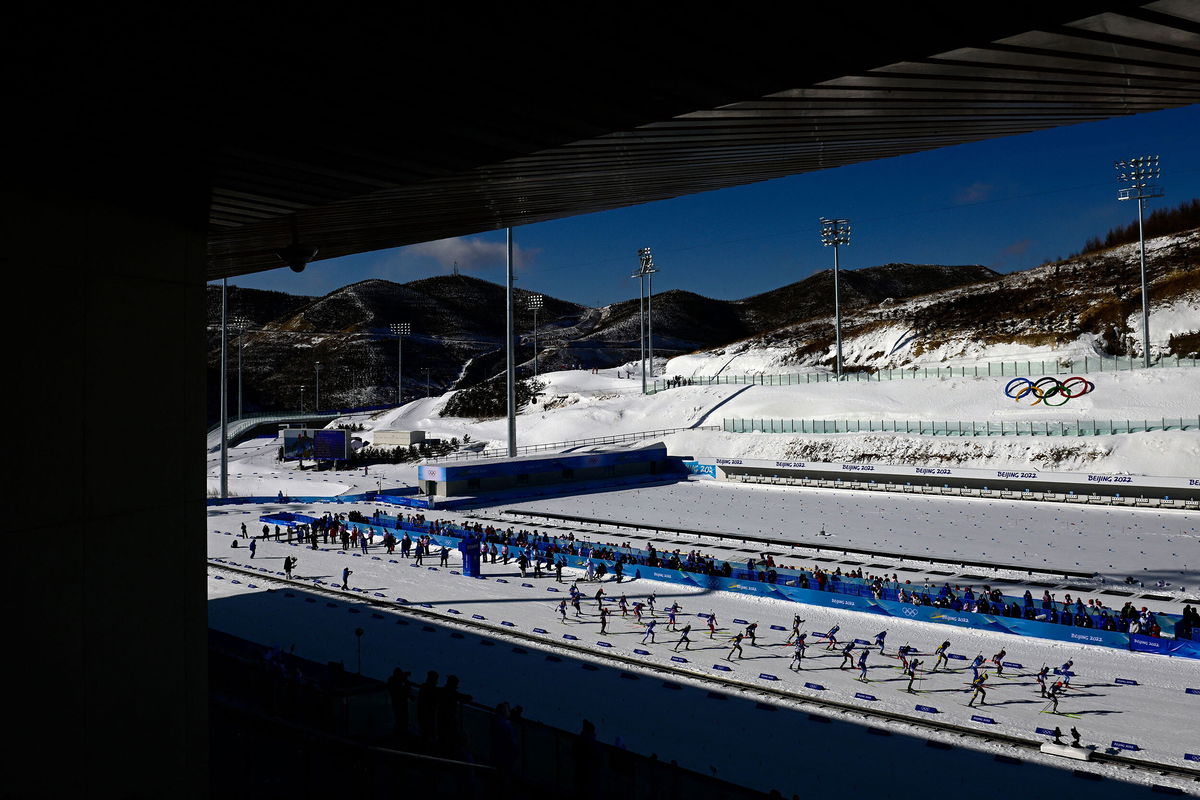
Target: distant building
point(470, 478)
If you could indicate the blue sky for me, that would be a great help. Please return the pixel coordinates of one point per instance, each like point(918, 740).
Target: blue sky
point(1008, 203)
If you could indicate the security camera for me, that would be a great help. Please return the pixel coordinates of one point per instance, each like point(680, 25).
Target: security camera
point(296, 256)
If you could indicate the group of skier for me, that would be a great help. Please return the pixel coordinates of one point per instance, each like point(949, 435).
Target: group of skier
point(855, 653)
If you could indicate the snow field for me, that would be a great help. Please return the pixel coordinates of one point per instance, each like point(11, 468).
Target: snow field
point(1155, 714)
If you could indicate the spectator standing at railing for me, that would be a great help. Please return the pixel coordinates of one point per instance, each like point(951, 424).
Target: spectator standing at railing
point(399, 693)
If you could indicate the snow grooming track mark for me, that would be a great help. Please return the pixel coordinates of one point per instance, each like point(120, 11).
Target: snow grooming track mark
point(724, 681)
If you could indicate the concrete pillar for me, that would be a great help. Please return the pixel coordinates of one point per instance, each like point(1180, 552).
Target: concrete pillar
point(104, 597)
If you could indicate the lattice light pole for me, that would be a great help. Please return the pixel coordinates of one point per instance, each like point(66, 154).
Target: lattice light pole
point(834, 233)
point(317, 398)
point(535, 303)
point(1138, 176)
point(645, 271)
point(241, 324)
point(400, 330)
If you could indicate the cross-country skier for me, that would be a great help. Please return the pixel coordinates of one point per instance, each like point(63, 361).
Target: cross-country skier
point(912, 673)
point(848, 654)
point(1065, 669)
point(975, 665)
point(712, 625)
point(796, 623)
point(862, 665)
point(649, 631)
point(998, 660)
point(751, 629)
point(253, 547)
point(575, 605)
point(637, 611)
point(599, 597)
point(1056, 691)
point(603, 620)
point(831, 637)
point(902, 654)
point(798, 655)
point(980, 692)
point(650, 603)
point(562, 610)
point(623, 604)
point(1041, 679)
point(671, 618)
point(736, 646)
point(879, 640)
point(684, 639)
point(942, 658)
point(346, 573)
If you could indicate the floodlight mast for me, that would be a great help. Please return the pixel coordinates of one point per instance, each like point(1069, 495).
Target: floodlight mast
point(1137, 175)
point(646, 262)
point(535, 302)
point(241, 324)
point(509, 333)
point(836, 232)
point(400, 330)
point(224, 390)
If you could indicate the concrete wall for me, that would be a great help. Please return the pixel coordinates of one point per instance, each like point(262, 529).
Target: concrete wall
point(104, 601)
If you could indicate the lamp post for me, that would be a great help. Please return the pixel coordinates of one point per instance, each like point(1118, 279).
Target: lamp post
point(427, 381)
point(400, 330)
point(240, 323)
point(301, 399)
point(1137, 175)
point(836, 232)
point(317, 398)
point(535, 302)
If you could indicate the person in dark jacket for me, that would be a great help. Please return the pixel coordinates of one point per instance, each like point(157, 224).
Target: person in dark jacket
point(427, 709)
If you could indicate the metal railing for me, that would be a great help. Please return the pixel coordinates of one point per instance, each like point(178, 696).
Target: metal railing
point(991, 369)
point(1091, 427)
point(560, 446)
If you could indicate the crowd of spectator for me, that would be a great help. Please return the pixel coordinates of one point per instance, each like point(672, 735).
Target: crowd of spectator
point(532, 549)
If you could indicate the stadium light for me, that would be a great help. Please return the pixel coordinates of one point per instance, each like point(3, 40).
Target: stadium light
point(241, 323)
point(224, 389)
point(510, 363)
point(535, 302)
point(1138, 176)
point(834, 233)
point(317, 398)
point(645, 271)
point(400, 330)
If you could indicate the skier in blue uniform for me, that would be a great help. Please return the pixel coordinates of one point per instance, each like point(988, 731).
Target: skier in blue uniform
point(831, 637)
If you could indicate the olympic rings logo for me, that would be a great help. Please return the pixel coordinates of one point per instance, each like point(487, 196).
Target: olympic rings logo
point(909, 612)
point(1043, 389)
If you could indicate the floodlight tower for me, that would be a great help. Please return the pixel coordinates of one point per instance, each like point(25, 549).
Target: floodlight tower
point(1137, 176)
point(400, 330)
point(836, 232)
point(241, 324)
point(535, 302)
point(224, 389)
point(645, 270)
